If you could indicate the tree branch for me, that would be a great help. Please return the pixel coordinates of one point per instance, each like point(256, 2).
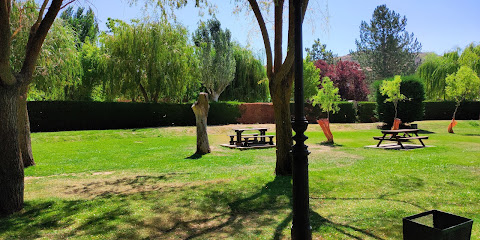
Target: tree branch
point(6, 76)
point(266, 40)
point(278, 35)
point(288, 63)
point(37, 37)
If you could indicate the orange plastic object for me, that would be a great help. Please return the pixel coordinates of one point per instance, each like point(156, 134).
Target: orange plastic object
point(325, 125)
point(396, 124)
point(451, 125)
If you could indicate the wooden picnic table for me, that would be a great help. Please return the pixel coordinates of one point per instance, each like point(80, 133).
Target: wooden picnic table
point(400, 135)
point(239, 133)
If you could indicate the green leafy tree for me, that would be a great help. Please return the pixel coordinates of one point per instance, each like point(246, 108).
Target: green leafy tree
point(217, 61)
point(319, 52)
point(83, 23)
point(249, 83)
point(434, 70)
point(14, 85)
point(311, 79)
point(391, 89)
point(463, 85)
point(147, 61)
point(327, 97)
point(385, 46)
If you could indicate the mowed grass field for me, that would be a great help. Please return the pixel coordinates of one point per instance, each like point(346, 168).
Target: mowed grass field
point(146, 184)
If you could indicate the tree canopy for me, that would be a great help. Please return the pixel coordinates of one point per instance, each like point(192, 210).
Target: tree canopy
point(391, 89)
point(217, 61)
point(385, 46)
point(319, 52)
point(147, 61)
point(327, 97)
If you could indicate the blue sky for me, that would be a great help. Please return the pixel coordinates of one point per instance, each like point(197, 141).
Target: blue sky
point(439, 25)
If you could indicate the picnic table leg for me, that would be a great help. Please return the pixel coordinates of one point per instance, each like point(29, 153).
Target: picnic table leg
point(420, 140)
point(231, 140)
point(400, 142)
point(378, 145)
point(262, 139)
point(239, 138)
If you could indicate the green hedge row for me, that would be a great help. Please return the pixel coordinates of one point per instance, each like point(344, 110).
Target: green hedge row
point(444, 111)
point(346, 114)
point(64, 116)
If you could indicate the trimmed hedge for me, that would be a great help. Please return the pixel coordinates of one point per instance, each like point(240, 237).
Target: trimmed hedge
point(65, 116)
point(444, 111)
point(346, 114)
point(366, 112)
point(408, 110)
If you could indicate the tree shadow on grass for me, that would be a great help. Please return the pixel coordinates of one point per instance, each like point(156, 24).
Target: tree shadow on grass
point(329, 144)
point(273, 197)
point(195, 156)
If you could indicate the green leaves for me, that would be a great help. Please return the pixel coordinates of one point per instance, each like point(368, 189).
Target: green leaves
point(148, 61)
point(463, 85)
point(392, 90)
point(217, 62)
point(327, 97)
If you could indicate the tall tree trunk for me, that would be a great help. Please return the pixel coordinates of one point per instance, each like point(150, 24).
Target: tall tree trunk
point(200, 108)
point(24, 129)
point(11, 164)
point(283, 126)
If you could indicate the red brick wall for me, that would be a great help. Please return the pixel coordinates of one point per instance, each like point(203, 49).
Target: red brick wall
point(256, 113)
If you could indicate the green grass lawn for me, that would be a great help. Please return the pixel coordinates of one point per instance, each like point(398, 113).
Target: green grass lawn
point(145, 184)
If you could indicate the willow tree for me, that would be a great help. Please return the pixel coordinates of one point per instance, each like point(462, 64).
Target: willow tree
point(434, 71)
point(13, 90)
point(147, 61)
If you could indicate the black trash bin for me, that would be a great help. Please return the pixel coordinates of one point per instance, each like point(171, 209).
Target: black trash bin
point(436, 225)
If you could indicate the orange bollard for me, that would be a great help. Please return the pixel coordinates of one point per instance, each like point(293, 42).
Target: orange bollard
point(325, 125)
point(451, 125)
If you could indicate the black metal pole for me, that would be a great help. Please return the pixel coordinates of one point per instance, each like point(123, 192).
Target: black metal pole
point(301, 229)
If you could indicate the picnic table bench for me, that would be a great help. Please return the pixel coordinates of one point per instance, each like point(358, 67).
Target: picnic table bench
point(400, 135)
point(245, 140)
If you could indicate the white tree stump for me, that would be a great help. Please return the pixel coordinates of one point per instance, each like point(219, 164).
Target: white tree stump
point(200, 108)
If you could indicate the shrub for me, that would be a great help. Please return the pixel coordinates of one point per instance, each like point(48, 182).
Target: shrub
point(409, 110)
point(366, 112)
point(346, 114)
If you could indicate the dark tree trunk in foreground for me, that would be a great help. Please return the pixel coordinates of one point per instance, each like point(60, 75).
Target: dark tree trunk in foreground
point(200, 108)
point(24, 129)
point(11, 165)
point(280, 76)
point(283, 128)
point(14, 125)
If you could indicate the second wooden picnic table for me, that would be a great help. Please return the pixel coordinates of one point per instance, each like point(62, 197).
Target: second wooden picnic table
point(240, 131)
point(400, 135)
